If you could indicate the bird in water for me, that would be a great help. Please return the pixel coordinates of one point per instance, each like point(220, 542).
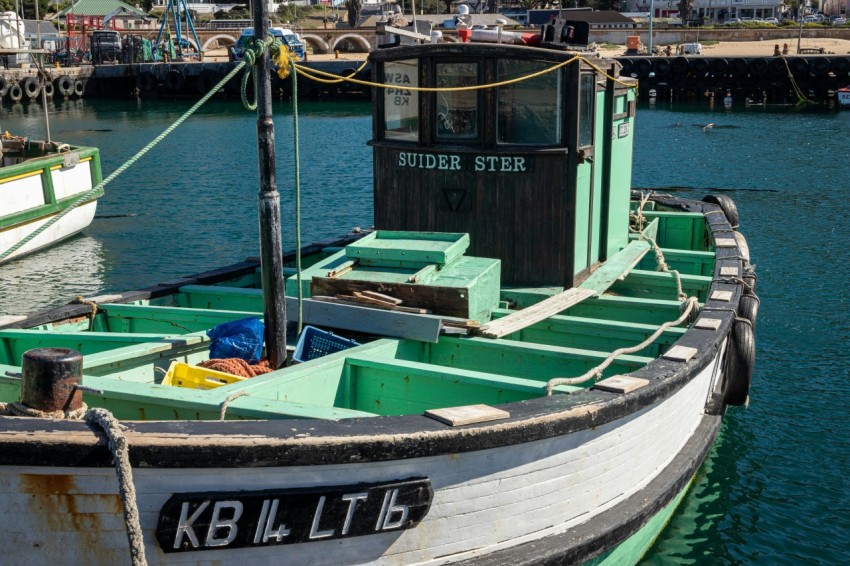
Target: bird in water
point(707, 127)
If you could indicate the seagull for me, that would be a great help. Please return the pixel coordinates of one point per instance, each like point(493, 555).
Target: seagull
point(707, 127)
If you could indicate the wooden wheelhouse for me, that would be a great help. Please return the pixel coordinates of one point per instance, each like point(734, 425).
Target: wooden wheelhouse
point(536, 169)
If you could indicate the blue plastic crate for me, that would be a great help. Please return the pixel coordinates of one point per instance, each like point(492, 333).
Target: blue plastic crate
point(315, 343)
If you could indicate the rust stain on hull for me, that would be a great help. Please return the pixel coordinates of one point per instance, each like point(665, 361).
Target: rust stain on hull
point(56, 501)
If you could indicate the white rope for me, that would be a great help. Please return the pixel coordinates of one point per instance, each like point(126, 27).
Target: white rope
point(121, 457)
point(222, 411)
point(21, 410)
point(596, 372)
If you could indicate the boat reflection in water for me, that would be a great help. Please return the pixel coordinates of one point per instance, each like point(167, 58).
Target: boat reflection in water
point(52, 276)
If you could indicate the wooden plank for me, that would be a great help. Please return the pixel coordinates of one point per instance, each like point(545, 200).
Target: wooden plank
point(469, 414)
point(450, 301)
point(368, 320)
point(535, 313)
point(352, 301)
point(617, 267)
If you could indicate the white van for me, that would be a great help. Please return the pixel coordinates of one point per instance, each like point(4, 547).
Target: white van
point(692, 49)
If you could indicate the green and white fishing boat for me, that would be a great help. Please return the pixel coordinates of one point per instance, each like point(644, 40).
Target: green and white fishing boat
point(529, 361)
point(38, 181)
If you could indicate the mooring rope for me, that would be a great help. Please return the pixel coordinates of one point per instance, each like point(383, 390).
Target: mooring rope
point(251, 56)
point(801, 98)
point(222, 410)
point(18, 409)
point(104, 420)
point(660, 262)
point(596, 372)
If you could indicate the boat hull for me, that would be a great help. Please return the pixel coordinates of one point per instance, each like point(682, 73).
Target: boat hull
point(37, 189)
point(843, 95)
point(487, 502)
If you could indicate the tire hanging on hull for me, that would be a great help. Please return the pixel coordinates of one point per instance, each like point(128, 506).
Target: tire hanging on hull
point(727, 205)
point(740, 359)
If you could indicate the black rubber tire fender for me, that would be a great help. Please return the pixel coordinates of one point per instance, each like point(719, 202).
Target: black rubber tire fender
point(48, 89)
point(643, 67)
point(748, 307)
point(173, 80)
point(4, 87)
point(662, 67)
point(758, 67)
point(79, 87)
point(820, 66)
point(738, 67)
point(65, 85)
point(799, 66)
point(207, 80)
point(727, 205)
point(680, 65)
point(31, 86)
point(145, 81)
point(751, 279)
point(740, 360)
point(700, 67)
point(16, 93)
point(840, 66)
point(778, 67)
point(627, 67)
point(719, 66)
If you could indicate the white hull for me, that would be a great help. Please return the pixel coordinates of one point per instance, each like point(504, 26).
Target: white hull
point(844, 99)
point(26, 192)
point(483, 500)
point(72, 223)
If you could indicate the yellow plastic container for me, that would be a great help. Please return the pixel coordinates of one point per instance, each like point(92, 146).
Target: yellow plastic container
point(193, 377)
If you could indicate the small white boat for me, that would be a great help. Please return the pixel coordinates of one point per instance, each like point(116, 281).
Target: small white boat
point(843, 95)
point(38, 181)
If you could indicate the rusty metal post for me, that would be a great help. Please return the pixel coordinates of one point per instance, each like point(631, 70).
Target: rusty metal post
point(271, 246)
point(49, 379)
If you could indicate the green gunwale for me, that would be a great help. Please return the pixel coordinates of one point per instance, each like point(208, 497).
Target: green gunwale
point(44, 165)
point(127, 342)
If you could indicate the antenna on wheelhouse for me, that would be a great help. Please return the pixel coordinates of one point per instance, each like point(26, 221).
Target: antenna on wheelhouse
point(271, 247)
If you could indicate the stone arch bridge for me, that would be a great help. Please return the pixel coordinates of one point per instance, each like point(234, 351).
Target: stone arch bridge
point(319, 40)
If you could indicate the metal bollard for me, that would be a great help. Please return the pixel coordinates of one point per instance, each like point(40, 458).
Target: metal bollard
point(49, 377)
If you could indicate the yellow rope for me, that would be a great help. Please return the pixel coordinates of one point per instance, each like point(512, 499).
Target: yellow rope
point(315, 74)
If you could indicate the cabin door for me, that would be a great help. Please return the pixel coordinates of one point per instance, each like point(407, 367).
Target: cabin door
point(588, 186)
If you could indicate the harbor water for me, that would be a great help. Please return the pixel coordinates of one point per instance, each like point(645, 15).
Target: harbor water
point(775, 489)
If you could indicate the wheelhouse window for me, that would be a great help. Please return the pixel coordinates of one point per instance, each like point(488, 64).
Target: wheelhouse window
point(457, 111)
point(587, 100)
point(529, 111)
point(401, 105)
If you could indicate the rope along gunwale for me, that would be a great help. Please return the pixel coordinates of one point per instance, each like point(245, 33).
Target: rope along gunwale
point(314, 74)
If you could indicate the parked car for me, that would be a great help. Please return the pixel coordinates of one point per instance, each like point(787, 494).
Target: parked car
point(732, 21)
point(105, 46)
point(691, 49)
point(773, 21)
point(839, 21)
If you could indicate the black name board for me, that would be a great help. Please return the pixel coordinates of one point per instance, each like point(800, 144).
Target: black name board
point(212, 521)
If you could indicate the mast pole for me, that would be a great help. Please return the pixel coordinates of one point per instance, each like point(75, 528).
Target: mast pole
point(271, 246)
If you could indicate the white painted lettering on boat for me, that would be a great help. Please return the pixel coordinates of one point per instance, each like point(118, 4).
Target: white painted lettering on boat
point(429, 161)
point(352, 499)
point(264, 525)
point(184, 526)
point(217, 523)
point(389, 508)
point(496, 163)
point(443, 162)
point(314, 529)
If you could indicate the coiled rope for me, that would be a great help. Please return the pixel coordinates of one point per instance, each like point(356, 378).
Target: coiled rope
point(104, 420)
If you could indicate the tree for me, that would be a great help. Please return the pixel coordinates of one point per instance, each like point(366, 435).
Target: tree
point(685, 9)
point(354, 7)
point(29, 8)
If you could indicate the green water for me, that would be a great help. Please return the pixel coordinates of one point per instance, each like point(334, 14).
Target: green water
point(775, 490)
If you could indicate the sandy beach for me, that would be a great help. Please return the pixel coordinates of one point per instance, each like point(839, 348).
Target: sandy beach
point(760, 48)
